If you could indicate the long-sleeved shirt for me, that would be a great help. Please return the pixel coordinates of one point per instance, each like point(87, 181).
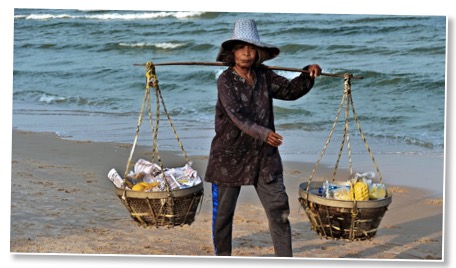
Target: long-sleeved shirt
point(239, 154)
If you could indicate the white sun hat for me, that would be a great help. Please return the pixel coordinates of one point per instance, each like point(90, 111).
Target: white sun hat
point(245, 30)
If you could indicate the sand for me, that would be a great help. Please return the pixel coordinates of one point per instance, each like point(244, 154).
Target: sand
point(62, 203)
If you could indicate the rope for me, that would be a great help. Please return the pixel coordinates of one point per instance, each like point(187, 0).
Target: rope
point(341, 146)
point(328, 140)
point(146, 94)
point(347, 91)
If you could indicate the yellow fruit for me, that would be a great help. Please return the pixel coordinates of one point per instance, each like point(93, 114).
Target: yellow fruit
point(138, 187)
point(144, 186)
point(361, 190)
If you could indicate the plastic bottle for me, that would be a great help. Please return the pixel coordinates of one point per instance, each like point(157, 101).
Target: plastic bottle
point(325, 191)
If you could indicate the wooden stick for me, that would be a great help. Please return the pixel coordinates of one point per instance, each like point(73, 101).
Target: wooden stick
point(264, 66)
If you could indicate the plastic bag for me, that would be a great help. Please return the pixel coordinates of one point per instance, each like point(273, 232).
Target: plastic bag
point(377, 191)
point(342, 193)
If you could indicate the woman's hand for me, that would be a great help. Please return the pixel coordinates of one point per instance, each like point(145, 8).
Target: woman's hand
point(274, 139)
point(314, 70)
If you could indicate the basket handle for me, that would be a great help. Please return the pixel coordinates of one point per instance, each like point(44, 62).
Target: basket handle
point(346, 101)
point(152, 81)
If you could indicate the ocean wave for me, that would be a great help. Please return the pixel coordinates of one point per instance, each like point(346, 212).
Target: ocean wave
point(60, 101)
point(164, 45)
point(411, 140)
point(168, 46)
point(431, 145)
point(114, 16)
point(431, 50)
point(295, 48)
point(43, 16)
point(299, 126)
point(51, 99)
point(279, 110)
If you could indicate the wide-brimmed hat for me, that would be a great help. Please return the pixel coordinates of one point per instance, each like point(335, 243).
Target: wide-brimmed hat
point(245, 30)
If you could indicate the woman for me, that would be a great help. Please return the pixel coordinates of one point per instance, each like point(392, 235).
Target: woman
point(244, 150)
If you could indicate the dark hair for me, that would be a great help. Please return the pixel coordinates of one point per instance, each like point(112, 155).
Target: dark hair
point(229, 54)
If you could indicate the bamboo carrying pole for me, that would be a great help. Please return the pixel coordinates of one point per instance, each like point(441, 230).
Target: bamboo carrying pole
point(264, 66)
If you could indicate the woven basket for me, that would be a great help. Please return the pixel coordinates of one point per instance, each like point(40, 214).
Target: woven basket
point(167, 208)
point(338, 219)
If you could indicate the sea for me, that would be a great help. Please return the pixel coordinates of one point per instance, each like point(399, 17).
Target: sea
point(80, 74)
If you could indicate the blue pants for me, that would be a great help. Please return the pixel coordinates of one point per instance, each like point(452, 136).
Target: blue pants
point(275, 203)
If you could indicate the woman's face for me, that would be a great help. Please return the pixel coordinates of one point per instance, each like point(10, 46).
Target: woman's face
point(244, 55)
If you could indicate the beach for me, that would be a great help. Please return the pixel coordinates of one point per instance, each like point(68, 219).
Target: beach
point(63, 203)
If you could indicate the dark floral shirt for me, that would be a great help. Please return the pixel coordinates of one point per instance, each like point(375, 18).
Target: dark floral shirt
point(244, 117)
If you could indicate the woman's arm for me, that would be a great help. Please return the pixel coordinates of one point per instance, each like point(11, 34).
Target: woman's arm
point(285, 89)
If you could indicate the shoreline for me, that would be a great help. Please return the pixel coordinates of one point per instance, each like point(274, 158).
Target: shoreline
point(425, 171)
point(63, 203)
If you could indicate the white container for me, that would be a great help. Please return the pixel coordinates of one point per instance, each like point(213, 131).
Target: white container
point(115, 178)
